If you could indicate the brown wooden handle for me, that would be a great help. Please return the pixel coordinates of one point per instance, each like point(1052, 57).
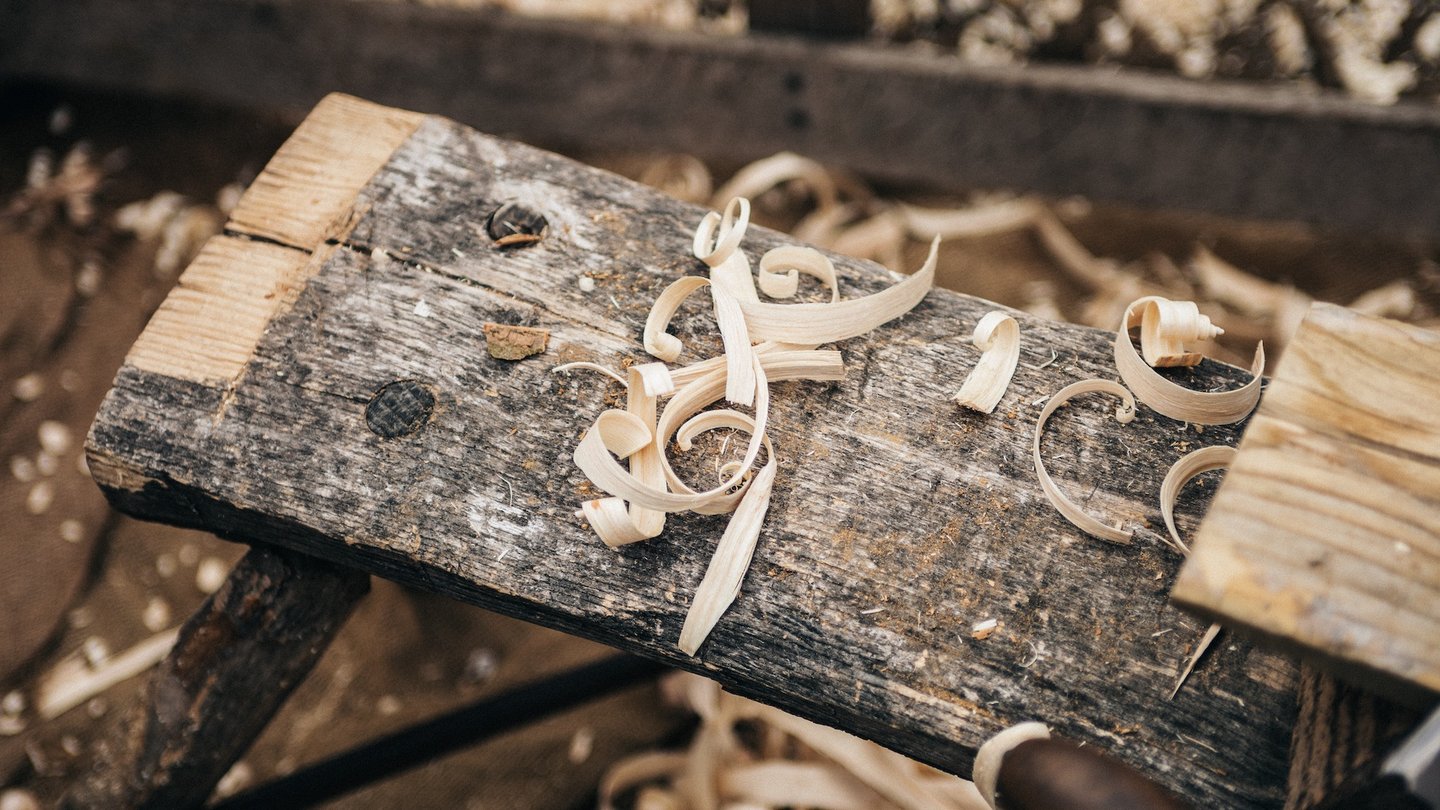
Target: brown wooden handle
point(1052, 773)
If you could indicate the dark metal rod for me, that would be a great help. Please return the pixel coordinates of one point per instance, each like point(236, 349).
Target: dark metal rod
point(420, 743)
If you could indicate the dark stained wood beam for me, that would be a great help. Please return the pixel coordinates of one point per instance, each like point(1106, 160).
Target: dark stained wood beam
point(235, 662)
point(319, 380)
point(895, 114)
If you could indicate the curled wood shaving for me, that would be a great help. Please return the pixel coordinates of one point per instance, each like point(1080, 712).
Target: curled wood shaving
point(622, 453)
point(716, 243)
point(981, 220)
point(1174, 400)
point(1166, 326)
point(1124, 414)
point(827, 768)
point(740, 382)
point(986, 772)
point(1181, 472)
point(762, 175)
point(997, 335)
point(780, 271)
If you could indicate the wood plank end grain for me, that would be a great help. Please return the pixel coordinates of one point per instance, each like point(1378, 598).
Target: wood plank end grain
point(304, 194)
point(207, 328)
point(1325, 536)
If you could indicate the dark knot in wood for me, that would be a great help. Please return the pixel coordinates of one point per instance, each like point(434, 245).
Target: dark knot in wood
point(516, 225)
point(399, 408)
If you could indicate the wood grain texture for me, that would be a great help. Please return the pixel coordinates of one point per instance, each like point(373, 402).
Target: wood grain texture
point(1342, 736)
point(1326, 533)
point(898, 521)
point(236, 661)
point(896, 114)
point(304, 193)
point(207, 327)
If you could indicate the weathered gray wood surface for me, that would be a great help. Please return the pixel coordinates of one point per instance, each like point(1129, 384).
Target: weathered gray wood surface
point(235, 662)
point(1242, 149)
point(889, 497)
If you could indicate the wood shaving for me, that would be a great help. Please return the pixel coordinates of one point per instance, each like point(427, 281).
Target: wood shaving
point(997, 335)
point(1181, 472)
point(822, 767)
point(645, 488)
point(1192, 464)
point(1170, 398)
point(762, 175)
point(73, 681)
point(1205, 642)
point(1124, 414)
point(960, 223)
point(1166, 326)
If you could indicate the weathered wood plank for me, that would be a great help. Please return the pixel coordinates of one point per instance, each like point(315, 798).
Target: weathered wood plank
point(1241, 149)
point(1326, 534)
point(898, 520)
point(235, 662)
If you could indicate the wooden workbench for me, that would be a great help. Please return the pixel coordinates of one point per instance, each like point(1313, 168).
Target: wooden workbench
point(319, 381)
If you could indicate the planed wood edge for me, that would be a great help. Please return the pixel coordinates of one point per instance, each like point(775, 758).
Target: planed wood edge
point(207, 328)
point(304, 194)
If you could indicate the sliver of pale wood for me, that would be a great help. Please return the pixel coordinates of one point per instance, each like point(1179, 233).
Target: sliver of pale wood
point(1325, 535)
point(899, 521)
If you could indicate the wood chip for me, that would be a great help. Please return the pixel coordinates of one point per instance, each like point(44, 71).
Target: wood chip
point(507, 342)
point(997, 335)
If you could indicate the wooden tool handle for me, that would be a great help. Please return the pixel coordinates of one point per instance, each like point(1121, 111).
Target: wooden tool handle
point(1050, 773)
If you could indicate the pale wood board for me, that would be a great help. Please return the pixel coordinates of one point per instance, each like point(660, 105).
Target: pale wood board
point(899, 520)
point(1325, 535)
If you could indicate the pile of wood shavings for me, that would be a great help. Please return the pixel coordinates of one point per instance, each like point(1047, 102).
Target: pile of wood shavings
point(746, 754)
point(763, 342)
point(835, 211)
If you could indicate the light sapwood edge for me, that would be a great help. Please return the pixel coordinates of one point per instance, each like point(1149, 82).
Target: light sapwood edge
point(209, 325)
point(207, 328)
point(306, 193)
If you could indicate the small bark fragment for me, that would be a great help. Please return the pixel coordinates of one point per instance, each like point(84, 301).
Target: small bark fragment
point(506, 342)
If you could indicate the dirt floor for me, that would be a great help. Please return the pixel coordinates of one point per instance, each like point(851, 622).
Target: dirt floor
point(79, 580)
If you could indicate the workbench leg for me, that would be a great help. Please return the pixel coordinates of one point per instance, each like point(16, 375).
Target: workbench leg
point(235, 662)
point(1341, 736)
